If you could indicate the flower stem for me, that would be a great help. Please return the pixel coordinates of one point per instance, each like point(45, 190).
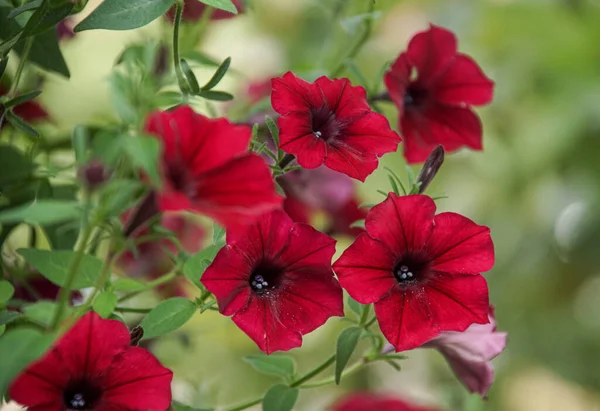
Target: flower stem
point(347, 372)
point(365, 315)
point(359, 44)
point(286, 160)
point(176, 58)
point(133, 310)
point(21, 66)
point(150, 285)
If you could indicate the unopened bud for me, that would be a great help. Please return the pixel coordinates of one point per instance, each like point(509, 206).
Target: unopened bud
point(93, 175)
point(135, 335)
point(430, 168)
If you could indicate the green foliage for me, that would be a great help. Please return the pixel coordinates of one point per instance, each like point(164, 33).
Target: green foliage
point(226, 5)
point(346, 344)
point(177, 406)
point(6, 291)
point(218, 76)
point(167, 316)
point(124, 14)
point(280, 398)
point(144, 152)
point(21, 125)
point(105, 303)
point(42, 212)
point(6, 317)
point(278, 365)
point(42, 312)
point(54, 265)
point(354, 306)
point(195, 266)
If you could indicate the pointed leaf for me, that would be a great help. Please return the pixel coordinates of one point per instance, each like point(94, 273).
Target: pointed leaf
point(6, 291)
point(167, 316)
point(226, 5)
point(279, 365)
point(21, 125)
point(124, 14)
point(7, 317)
point(105, 303)
point(42, 212)
point(218, 76)
point(280, 398)
point(346, 344)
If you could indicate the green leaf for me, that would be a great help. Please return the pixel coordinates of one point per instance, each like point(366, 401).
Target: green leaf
point(195, 266)
point(25, 346)
point(21, 125)
point(14, 167)
point(3, 64)
point(226, 5)
point(280, 398)
point(144, 152)
point(119, 195)
point(42, 212)
point(2, 329)
point(177, 406)
point(45, 52)
point(25, 7)
point(128, 285)
point(124, 14)
point(54, 265)
point(346, 344)
point(168, 316)
point(190, 77)
point(42, 312)
point(279, 365)
point(218, 235)
point(20, 99)
point(354, 305)
point(215, 95)
point(358, 224)
point(7, 317)
point(273, 129)
point(105, 303)
point(218, 76)
point(51, 18)
point(6, 291)
point(200, 58)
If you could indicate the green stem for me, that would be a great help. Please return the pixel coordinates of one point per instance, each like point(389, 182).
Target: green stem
point(347, 372)
point(365, 315)
point(370, 323)
point(133, 310)
point(21, 66)
point(176, 58)
point(314, 372)
point(360, 43)
point(150, 285)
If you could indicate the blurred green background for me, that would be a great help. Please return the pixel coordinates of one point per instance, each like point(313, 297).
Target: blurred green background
point(536, 184)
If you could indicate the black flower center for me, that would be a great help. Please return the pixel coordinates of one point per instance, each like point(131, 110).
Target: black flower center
point(410, 269)
point(181, 180)
point(415, 96)
point(265, 277)
point(82, 395)
point(324, 124)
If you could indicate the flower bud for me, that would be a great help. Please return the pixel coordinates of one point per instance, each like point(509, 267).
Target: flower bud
point(93, 175)
point(430, 168)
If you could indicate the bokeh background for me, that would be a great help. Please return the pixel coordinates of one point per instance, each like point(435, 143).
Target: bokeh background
point(536, 184)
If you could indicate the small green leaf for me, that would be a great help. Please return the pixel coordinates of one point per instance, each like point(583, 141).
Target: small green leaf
point(26, 7)
point(54, 265)
point(6, 291)
point(177, 406)
point(226, 5)
point(280, 398)
point(128, 285)
point(42, 312)
point(190, 77)
point(2, 329)
point(346, 344)
point(354, 305)
point(279, 365)
point(124, 14)
point(25, 346)
point(20, 99)
point(218, 76)
point(195, 266)
point(21, 125)
point(273, 129)
point(215, 95)
point(144, 152)
point(119, 195)
point(105, 303)
point(7, 317)
point(42, 212)
point(14, 167)
point(255, 128)
point(358, 224)
point(168, 316)
point(218, 235)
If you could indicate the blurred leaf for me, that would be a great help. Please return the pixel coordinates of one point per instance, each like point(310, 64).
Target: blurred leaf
point(199, 57)
point(6, 317)
point(226, 5)
point(124, 14)
point(3, 64)
point(120, 195)
point(279, 365)
point(346, 344)
point(351, 24)
point(218, 235)
point(218, 76)
point(168, 316)
point(2, 329)
point(22, 98)
point(128, 284)
point(25, 346)
point(354, 305)
point(42, 312)
point(280, 398)
point(42, 212)
point(358, 224)
point(215, 95)
point(20, 124)
point(190, 77)
point(25, 7)
point(54, 266)
point(144, 152)
point(15, 166)
point(105, 303)
point(195, 266)
point(6, 291)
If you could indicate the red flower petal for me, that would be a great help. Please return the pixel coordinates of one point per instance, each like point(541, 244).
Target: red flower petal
point(431, 52)
point(296, 209)
point(366, 278)
point(458, 245)
point(138, 381)
point(343, 98)
point(463, 83)
point(41, 383)
point(397, 80)
point(402, 223)
point(374, 402)
point(292, 94)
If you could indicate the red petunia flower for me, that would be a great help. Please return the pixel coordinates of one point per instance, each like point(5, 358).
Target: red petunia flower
point(374, 402)
point(36, 287)
point(193, 10)
point(275, 278)
point(207, 168)
point(420, 269)
point(330, 122)
point(93, 368)
point(434, 88)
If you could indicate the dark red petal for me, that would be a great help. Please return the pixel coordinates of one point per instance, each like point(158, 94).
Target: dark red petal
point(457, 301)
point(365, 270)
point(431, 52)
point(264, 326)
point(30, 111)
point(138, 381)
point(297, 138)
point(458, 245)
point(340, 96)
point(402, 223)
point(463, 83)
point(292, 94)
point(397, 79)
point(452, 127)
point(227, 278)
point(350, 161)
point(55, 406)
point(169, 200)
point(406, 319)
point(306, 248)
point(297, 210)
point(237, 191)
point(41, 383)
